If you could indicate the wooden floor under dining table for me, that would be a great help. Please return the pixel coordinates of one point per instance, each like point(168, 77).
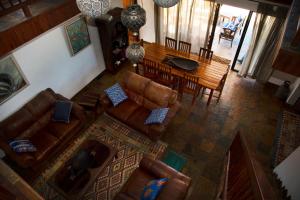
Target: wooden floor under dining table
point(210, 72)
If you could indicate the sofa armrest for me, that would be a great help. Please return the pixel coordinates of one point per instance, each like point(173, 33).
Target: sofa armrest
point(161, 170)
point(105, 101)
point(172, 112)
point(77, 110)
point(24, 160)
point(175, 189)
point(123, 196)
point(156, 130)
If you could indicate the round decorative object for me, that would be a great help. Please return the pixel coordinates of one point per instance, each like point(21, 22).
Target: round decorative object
point(93, 8)
point(135, 53)
point(166, 3)
point(134, 17)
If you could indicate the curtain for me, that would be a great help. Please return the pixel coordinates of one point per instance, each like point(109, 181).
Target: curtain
point(263, 69)
point(260, 31)
point(189, 21)
point(265, 43)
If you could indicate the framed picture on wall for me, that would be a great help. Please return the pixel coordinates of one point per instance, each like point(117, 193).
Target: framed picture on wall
point(12, 79)
point(78, 35)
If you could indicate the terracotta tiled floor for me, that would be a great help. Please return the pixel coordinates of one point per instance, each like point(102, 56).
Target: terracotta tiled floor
point(203, 134)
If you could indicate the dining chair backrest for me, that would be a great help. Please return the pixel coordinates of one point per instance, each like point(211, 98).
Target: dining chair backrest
point(150, 68)
point(165, 73)
point(206, 53)
point(190, 83)
point(170, 43)
point(222, 82)
point(184, 47)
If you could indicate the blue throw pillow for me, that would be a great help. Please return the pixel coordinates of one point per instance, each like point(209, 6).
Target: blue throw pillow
point(157, 116)
point(153, 188)
point(116, 94)
point(62, 111)
point(22, 146)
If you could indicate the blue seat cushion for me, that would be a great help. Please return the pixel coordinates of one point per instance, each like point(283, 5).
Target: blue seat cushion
point(116, 94)
point(157, 116)
point(62, 111)
point(153, 188)
point(22, 146)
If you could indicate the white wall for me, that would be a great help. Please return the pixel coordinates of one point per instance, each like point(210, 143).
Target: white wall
point(288, 172)
point(46, 62)
point(147, 32)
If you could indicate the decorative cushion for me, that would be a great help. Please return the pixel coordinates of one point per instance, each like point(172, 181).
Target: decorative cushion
point(116, 94)
point(62, 111)
point(22, 146)
point(153, 188)
point(157, 116)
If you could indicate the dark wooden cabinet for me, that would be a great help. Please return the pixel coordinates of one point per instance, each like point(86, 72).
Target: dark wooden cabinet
point(114, 39)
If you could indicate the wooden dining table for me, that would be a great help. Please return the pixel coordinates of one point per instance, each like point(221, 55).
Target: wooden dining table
point(210, 72)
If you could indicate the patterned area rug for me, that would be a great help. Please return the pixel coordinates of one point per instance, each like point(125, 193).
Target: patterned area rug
point(131, 147)
point(221, 60)
point(287, 138)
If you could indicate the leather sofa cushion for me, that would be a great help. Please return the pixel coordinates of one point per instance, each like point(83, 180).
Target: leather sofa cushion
point(37, 126)
point(44, 142)
point(61, 130)
point(17, 123)
point(158, 94)
point(137, 98)
point(135, 83)
point(40, 104)
point(138, 118)
point(124, 110)
point(138, 180)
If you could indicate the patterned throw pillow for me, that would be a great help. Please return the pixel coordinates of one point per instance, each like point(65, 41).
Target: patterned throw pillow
point(62, 111)
point(22, 146)
point(157, 116)
point(153, 188)
point(116, 94)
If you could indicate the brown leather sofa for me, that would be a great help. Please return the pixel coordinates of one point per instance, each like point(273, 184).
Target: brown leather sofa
point(144, 95)
point(34, 122)
point(175, 189)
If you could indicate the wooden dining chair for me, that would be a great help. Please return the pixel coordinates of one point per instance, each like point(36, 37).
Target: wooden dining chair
point(150, 69)
point(165, 75)
point(184, 47)
point(220, 88)
point(206, 53)
point(189, 84)
point(170, 43)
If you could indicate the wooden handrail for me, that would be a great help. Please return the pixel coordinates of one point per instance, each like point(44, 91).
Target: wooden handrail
point(25, 31)
point(14, 184)
point(9, 6)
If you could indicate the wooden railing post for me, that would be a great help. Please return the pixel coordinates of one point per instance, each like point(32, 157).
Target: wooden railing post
point(27, 11)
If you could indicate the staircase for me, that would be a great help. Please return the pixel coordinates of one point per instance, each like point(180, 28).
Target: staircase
point(243, 177)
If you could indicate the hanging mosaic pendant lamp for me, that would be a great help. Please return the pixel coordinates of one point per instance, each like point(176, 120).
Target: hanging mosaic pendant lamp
point(166, 3)
point(93, 8)
point(134, 17)
point(135, 53)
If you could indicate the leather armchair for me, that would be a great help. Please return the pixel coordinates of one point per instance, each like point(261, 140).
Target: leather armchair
point(149, 169)
point(144, 95)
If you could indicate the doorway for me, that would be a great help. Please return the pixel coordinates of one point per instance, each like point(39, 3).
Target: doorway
point(232, 36)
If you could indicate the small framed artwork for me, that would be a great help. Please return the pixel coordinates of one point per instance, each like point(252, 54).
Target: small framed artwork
point(12, 79)
point(78, 35)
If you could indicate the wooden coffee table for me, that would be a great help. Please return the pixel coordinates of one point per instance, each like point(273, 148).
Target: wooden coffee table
point(93, 156)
